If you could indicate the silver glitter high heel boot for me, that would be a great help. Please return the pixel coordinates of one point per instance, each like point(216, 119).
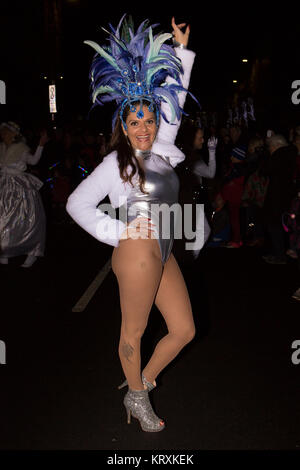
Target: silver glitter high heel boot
point(138, 405)
point(150, 386)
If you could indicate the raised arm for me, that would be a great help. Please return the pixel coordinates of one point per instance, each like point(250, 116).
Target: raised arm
point(200, 168)
point(33, 159)
point(168, 132)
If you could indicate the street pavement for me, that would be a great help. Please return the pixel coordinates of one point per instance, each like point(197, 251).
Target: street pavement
point(234, 387)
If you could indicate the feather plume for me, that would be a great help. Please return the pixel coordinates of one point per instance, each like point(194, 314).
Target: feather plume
point(134, 67)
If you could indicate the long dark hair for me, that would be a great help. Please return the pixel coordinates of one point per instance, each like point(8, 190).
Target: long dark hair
point(185, 141)
point(121, 144)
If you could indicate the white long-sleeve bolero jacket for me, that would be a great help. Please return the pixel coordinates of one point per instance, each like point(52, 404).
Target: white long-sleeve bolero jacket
point(105, 179)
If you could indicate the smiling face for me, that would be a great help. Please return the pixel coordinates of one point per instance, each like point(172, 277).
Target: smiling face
point(141, 132)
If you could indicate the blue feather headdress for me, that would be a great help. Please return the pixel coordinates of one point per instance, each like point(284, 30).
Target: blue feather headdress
point(133, 68)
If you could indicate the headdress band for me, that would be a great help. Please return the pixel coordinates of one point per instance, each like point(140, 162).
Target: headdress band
point(133, 69)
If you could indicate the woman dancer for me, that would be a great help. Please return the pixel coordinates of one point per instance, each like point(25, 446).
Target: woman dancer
point(134, 74)
point(22, 216)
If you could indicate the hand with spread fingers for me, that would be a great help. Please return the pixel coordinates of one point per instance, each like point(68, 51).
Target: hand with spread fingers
point(180, 37)
point(212, 144)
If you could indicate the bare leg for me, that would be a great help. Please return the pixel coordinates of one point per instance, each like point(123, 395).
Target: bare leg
point(138, 268)
point(173, 301)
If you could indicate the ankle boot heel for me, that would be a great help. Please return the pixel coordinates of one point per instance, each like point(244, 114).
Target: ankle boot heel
point(128, 415)
point(123, 384)
point(150, 386)
point(138, 405)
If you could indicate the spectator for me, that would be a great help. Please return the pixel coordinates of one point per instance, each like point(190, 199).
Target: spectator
point(291, 223)
point(88, 158)
point(296, 143)
point(194, 167)
point(192, 189)
point(255, 186)
point(102, 147)
point(232, 191)
point(219, 223)
point(280, 168)
point(223, 152)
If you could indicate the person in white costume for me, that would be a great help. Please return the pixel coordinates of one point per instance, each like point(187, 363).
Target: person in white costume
point(145, 267)
point(22, 216)
point(194, 168)
point(200, 168)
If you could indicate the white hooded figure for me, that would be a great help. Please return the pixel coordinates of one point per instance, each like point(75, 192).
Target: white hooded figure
point(22, 216)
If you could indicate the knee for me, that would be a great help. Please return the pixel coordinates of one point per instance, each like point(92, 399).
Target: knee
point(188, 334)
point(191, 334)
point(132, 333)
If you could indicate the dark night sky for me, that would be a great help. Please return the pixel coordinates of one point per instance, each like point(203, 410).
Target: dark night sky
point(220, 37)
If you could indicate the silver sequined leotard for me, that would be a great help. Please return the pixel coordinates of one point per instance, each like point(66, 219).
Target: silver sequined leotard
point(162, 183)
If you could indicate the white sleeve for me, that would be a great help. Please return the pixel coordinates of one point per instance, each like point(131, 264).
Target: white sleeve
point(33, 159)
point(200, 168)
point(82, 204)
point(168, 132)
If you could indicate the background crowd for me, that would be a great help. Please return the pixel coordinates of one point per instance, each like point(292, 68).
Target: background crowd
point(251, 190)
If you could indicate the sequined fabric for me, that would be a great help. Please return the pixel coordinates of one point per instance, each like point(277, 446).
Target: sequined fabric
point(162, 183)
point(137, 401)
point(22, 216)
